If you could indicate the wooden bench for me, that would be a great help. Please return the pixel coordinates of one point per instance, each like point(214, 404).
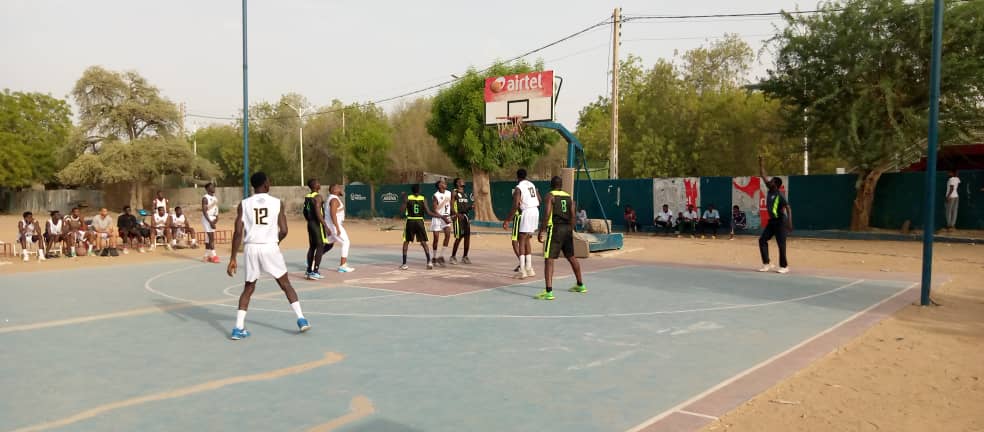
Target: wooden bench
point(221, 236)
point(6, 249)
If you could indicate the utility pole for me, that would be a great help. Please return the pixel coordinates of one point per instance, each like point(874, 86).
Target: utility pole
point(806, 149)
point(616, 36)
point(343, 151)
point(300, 121)
point(245, 112)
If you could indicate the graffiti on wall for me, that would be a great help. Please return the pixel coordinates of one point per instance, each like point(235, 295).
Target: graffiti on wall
point(676, 193)
point(748, 193)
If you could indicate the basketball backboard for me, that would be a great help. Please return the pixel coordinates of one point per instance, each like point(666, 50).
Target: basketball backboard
point(528, 95)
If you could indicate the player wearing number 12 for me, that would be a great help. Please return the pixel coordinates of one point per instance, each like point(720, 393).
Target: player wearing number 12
point(261, 223)
point(560, 237)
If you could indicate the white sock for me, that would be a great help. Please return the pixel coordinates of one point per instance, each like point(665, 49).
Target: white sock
point(444, 249)
point(211, 252)
point(529, 261)
point(296, 306)
point(522, 262)
point(240, 319)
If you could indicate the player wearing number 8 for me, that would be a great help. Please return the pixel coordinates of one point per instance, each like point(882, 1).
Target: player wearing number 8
point(560, 237)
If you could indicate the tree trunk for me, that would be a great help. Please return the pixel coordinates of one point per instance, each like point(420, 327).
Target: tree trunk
point(483, 196)
point(135, 201)
point(861, 211)
point(372, 199)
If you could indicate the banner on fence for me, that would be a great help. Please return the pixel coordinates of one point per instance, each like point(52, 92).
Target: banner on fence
point(748, 193)
point(677, 193)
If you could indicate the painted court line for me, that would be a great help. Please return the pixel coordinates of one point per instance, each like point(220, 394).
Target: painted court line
point(709, 417)
point(679, 407)
point(608, 315)
point(328, 359)
point(359, 408)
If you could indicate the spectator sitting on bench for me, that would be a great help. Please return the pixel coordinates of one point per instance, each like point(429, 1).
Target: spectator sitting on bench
point(129, 231)
point(181, 229)
point(55, 233)
point(582, 220)
point(688, 221)
point(738, 221)
point(711, 219)
point(102, 224)
point(664, 219)
point(29, 232)
point(630, 220)
point(160, 226)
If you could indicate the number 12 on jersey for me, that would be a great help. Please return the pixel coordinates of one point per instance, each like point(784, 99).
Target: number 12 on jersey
point(260, 215)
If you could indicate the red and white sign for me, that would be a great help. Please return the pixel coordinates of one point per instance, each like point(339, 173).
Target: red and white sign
point(512, 87)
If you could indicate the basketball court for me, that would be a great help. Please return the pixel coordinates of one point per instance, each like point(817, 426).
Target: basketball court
point(649, 347)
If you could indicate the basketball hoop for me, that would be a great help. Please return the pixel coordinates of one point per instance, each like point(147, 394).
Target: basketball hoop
point(510, 127)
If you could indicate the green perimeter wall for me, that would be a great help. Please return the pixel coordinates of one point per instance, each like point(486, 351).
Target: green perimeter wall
point(819, 202)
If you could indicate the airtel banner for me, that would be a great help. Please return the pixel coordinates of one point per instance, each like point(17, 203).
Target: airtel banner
point(528, 85)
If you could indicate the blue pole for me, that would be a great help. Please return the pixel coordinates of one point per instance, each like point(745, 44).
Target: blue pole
point(934, 115)
point(245, 113)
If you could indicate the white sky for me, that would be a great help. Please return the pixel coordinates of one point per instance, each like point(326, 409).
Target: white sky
point(350, 50)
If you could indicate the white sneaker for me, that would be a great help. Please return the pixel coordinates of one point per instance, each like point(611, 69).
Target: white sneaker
point(522, 274)
point(126, 251)
point(345, 269)
point(404, 267)
point(41, 256)
point(766, 268)
point(26, 257)
point(783, 270)
point(530, 272)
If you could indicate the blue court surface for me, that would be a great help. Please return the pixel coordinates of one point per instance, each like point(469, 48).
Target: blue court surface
point(464, 348)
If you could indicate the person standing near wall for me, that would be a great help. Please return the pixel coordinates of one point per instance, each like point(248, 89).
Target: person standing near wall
point(780, 222)
point(952, 200)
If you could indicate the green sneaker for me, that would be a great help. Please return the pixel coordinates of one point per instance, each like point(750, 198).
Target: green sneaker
point(578, 289)
point(545, 296)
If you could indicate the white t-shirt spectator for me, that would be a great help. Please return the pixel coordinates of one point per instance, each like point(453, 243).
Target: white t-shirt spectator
point(582, 217)
point(664, 216)
point(711, 214)
point(955, 183)
point(102, 224)
point(692, 215)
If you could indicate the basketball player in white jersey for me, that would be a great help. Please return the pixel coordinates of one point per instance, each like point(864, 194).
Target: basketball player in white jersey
point(441, 202)
point(29, 232)
point(335, 210)
point(262, 223)
point(54, 231)
point(160, 225)
point(210, 217)
point(180, 227)
point(77, 234)
point(526, 200)
point(160, 201)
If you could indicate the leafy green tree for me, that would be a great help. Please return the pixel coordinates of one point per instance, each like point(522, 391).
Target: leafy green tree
point(127, 134)
point(856, 78)
point(415, 150)
point(322, 152)
point(365, 144)
point(33, 129)
point(457, 122)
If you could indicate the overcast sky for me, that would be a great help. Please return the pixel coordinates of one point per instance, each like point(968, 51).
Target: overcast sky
point(342, 49)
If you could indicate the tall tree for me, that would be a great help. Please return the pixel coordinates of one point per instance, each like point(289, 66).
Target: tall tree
point(33, 129)
point(127, 133)
point(856, 78)
point(414, 150)
point(690, 116)
point(457, 122)
point(366, 143)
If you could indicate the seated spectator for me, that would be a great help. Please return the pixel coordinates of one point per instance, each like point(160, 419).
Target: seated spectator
point(688, 221)
point(129, 230)
point(28, 232)
point(160, 224)
point(54, 232)
point(78, 234)
point(710, 220)
point(180, 229)
point(582, 219)
point(630, 220)
point(105, 232)
point(664, 219)
point(143, 227)
point(738, 221)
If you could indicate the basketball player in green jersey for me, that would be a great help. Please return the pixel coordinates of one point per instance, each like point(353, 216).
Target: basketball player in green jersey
point(461, 205)
point(414, 207)
point(558, 220)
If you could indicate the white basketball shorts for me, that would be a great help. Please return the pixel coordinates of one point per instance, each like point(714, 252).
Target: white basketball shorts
point(530, 220)
point(263, 258)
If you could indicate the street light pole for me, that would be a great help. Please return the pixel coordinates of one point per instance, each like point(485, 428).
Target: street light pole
point(300, 121)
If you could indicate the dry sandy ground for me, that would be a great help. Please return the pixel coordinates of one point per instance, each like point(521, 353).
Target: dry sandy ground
point(920, 370)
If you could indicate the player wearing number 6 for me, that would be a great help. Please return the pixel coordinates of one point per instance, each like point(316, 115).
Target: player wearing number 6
point(560, 237)
point(414, 208)
point(261, 223)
